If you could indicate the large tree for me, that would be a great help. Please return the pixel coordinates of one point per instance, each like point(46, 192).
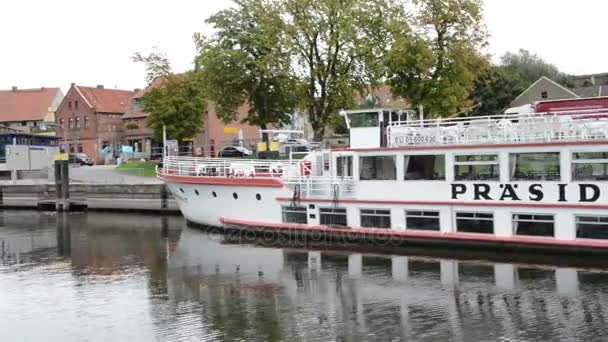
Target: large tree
point(247, 61)
point(339, 47)
point(178, 104)
point(439, 63)
point(516, 72)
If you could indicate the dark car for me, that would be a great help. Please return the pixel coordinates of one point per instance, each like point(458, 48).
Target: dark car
point(234, 152)
point(80, 158)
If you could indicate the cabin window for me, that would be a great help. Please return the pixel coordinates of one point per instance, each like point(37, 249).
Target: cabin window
point(475, 223)
point(377, 168)
point(422, 220)
point(363, 119)
point(534, 166)
point(375, 218)
point(592, 227)
point(534, 225)
point(344, 166)
point(333, 217)
point(426, 167)
point(590, 166)
point(294, 215)
point(476, 167)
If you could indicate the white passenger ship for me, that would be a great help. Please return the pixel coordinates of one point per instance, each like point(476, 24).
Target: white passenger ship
point(509, 181)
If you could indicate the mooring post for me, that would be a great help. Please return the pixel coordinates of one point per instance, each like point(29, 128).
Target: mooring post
point(62, 185)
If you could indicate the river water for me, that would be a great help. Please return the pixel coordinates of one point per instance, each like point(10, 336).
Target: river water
point(126, 277)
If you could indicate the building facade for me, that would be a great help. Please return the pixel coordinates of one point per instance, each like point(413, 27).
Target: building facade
point(30, 110)
point(542, 90)
point(89, 120)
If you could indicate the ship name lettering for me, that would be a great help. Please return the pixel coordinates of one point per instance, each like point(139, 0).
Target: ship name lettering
point(587, 193)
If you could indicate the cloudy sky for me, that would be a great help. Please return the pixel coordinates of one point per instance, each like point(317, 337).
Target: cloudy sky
point(54, 43)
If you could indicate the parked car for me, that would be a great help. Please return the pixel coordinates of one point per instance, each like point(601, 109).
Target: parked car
point(234, 152)
point(80, 158)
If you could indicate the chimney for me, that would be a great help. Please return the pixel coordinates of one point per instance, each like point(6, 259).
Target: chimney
point(73, 84)
point(42, 88)
point(100, 86)
point(14, 88)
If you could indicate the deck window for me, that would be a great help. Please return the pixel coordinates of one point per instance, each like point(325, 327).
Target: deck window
point(533, 225)
point(590, 166)
point(476, 167)
point(344, 166)
point(375, 218)
point(422, 220)
point(475, 223)
point(294, 215)
point(377, 168)
point(592, 227)
point(424, 167)
point(534, 166)
point(333, 217)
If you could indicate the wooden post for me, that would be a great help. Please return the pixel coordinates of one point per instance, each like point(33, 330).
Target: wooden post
point(62, 185)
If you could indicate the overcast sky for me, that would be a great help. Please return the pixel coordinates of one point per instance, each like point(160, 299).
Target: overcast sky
point(54, 43)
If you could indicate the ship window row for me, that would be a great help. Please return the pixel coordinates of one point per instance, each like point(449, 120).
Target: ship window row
point(537, 166)
point(587, 227)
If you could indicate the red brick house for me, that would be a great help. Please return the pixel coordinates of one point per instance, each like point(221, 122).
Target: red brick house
point(29, 110)
point(89, 119)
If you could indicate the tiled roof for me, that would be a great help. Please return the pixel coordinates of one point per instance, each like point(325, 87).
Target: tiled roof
point(133, 113)
point(590, 91)
point(27, 104)
point(107, 100)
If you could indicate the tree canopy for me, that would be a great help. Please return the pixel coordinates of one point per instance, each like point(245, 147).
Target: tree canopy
point(178, 103)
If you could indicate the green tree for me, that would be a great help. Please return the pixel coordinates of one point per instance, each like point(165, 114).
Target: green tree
point(339, 47)
point(515, 73)
point(247, 62)
point(178, 103)
point(156, 62)
point(439, 63)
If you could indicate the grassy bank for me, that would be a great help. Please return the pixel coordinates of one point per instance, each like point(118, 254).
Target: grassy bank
point(146, 169)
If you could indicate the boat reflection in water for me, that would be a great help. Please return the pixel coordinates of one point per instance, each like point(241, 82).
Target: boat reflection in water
point(334, 295)
point(123, 277)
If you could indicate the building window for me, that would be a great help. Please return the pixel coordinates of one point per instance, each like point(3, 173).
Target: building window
point(590, 166)
point(476, 167)
point(70, 123)
point(80, 150)
point(77, 123)
point(86, 122)
point(422, 220)
point(534, 166)
point(70, 105)
point(544, 95)
point(61, 121)
point(375, 218)
point(592, 227)
point(377, 168)
point(333, 217)
point(344, 166)
point(76, 105)
point(482, 223)
point(534, 225)
point(427, 167)
point(23, 123)
point(294, 215)
point(71, 148)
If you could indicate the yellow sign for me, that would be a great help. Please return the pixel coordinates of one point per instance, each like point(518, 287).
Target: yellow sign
point(261, 147)
point(274, 146)
point(188, 139)
point(61, 156)
point(231, 130)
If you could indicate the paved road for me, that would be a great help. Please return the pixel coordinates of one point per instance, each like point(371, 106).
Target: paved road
point(107, 174)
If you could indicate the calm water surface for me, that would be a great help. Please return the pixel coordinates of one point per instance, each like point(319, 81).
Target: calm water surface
point(122, 277)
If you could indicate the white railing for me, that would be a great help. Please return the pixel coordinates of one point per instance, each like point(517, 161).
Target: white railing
point(322, 187)
point(507, 128)
point(236, 168)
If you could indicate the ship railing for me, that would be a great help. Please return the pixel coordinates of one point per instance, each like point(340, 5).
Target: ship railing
point(507, 128)
point(231, 167)
point(322, 187)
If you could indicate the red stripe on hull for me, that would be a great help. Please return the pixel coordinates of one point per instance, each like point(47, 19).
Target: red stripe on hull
point(245, 182)
point(446, 203)
point(472, 147)
point(437, 236)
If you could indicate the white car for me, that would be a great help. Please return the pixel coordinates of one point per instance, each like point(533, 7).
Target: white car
point(234, 152)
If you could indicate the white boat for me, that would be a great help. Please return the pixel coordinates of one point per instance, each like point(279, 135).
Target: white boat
point(511, 181)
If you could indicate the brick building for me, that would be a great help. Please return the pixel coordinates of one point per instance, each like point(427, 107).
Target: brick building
point(89, 120)
point(29, 110)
